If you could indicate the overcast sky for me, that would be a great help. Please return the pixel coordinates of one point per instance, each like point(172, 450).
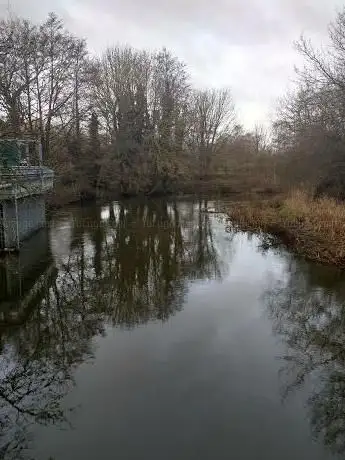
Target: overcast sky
point(244, 44)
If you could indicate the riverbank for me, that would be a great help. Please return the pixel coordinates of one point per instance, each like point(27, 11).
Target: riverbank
point(312, 228)
point(213, 185)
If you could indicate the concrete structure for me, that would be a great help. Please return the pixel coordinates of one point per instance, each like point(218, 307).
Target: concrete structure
point(22, 204)
point(25, 279)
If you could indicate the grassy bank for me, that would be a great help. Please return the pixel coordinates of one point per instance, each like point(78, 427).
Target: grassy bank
point(314, 229)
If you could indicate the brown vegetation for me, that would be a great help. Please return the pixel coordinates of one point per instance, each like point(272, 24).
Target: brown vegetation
point(313, 228)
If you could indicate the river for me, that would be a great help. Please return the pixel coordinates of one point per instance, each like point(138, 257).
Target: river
point(152, 330)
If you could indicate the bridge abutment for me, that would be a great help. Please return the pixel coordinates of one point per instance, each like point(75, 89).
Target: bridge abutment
point(22, 204)
point(20, 218)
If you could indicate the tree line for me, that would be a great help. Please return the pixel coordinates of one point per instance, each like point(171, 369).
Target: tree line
point(128, 120)
point(309, 130)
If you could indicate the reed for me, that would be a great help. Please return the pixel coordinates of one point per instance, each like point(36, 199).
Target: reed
point(313, 228)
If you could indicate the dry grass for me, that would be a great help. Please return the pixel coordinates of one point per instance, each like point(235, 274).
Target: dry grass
point(312, 228)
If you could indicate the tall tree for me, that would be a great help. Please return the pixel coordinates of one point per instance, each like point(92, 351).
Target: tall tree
point(214, 121)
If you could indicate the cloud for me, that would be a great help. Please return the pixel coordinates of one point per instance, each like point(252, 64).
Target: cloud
point(240, 22)
point(244, 44)
point(33, 9)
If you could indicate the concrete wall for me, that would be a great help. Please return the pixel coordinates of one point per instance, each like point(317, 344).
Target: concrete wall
point(19, 272)
point(31, 217)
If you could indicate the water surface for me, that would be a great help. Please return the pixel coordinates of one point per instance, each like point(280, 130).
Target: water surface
point(150, 330)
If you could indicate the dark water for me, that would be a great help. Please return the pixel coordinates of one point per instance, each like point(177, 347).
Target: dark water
point(152, 331)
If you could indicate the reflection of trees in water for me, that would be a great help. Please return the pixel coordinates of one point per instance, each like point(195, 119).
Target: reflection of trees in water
point(128, 269)
point(30, 391)
point(308, 311)
point(150, 254)
point(134, 267)
point(37, 364)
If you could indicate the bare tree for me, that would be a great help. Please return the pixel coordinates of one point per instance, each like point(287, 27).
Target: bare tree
point(152, 126)
point(16, 75)
point(260, 138)
point(309, 127)
point(214, 120)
